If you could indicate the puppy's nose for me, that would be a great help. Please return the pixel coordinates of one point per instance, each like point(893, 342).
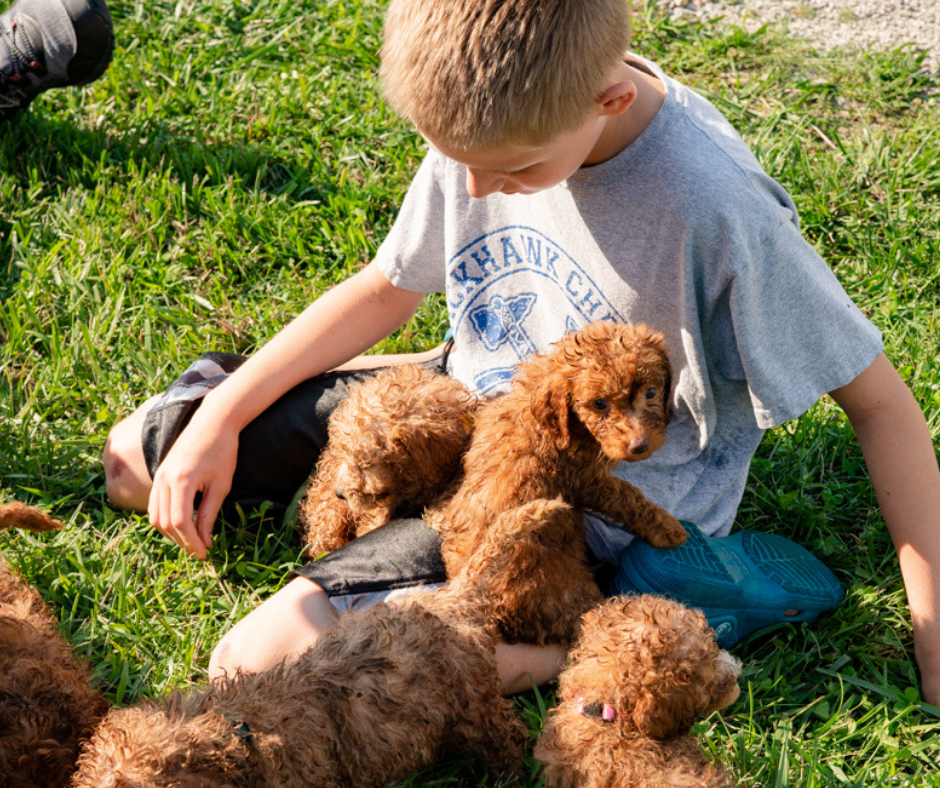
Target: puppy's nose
point(732, 664)
point(638, 445)
point(339, 493)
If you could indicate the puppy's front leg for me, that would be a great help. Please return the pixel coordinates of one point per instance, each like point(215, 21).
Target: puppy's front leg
point(324, 520)
point(623, 503)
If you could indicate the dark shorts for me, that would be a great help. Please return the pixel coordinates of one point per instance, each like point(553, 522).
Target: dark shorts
point(276, 454)
point(402, 554)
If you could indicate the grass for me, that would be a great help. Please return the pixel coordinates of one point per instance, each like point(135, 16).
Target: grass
point(237, 160)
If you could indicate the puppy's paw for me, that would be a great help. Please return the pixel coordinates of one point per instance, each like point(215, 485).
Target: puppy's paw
point(668, 532)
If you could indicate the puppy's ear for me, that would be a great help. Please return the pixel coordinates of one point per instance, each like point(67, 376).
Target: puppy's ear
point(662, 717)
point(651, 719)
point(667, 390)
point(550, 408)
point(657, 343)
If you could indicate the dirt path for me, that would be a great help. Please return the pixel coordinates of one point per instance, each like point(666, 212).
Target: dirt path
point(881, 24)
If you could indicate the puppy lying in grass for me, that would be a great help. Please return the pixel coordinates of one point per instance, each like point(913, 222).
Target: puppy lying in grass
point(642, 672)
point(384, 693)
point(47, 703)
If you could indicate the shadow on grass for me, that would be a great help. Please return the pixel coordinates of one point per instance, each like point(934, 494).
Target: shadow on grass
point(41, 157)
point(65, 154)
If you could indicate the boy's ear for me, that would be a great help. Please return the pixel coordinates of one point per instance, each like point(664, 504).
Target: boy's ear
point(617, 97)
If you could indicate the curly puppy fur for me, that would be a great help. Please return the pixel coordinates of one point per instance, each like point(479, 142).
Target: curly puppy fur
point(47, 704)
point(658, 665)
point(385, 692)
point(600, 396)
point(393, 445)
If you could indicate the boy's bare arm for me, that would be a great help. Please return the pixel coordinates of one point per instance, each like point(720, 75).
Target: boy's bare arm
point(392, 359)
point(338, 326)
point(895, 440)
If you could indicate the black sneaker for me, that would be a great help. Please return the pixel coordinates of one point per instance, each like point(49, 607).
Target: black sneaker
point(48, 44)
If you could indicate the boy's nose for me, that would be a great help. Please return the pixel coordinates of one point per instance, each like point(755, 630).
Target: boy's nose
point(481, 184)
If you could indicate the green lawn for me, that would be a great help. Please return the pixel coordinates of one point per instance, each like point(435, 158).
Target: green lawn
point(236, 160)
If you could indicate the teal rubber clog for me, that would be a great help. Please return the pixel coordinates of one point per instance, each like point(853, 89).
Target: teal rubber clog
point(743, 582)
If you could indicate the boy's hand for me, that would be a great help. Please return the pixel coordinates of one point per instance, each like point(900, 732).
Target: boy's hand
point(202, 460)
point(204, 456)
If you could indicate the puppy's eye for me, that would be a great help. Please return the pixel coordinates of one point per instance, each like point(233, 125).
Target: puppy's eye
point(600, 404)
point(651, 392)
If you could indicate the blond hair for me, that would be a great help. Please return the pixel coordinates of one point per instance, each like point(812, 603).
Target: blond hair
point(474, 74)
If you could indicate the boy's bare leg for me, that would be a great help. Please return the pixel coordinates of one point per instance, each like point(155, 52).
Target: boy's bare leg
point(283, 626)
point(288, 623)
point(521, 665)
point(127, 479)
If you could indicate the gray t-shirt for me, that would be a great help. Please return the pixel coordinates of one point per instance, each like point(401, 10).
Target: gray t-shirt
point(683, 231)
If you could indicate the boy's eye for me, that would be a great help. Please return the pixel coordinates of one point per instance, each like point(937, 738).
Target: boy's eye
point(651, 392)
point(600, 405)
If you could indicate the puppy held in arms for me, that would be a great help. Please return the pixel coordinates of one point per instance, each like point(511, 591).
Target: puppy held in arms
point(394, 445)
point(598, 397)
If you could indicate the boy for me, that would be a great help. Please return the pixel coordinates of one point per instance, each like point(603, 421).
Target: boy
point(566, 182)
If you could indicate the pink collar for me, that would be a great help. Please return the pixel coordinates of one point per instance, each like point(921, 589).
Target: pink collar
point(601, 711)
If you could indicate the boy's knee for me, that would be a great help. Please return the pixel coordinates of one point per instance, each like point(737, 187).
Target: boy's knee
point(281, 628)
point(127, 479)
point(240, 651)
point(224, 660)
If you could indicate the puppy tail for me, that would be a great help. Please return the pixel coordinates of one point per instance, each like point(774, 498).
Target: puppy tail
point(18, 515)
point(527, 520)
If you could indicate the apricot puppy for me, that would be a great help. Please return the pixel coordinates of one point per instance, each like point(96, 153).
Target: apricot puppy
point(47, 703)
point(642, 672)
point(394, 444)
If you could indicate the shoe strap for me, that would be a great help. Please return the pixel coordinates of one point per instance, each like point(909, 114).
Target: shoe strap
point(59, 40)
point(21, 57)
point(20, 51)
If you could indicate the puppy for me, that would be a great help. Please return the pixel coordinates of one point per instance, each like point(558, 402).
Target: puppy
point(598, 397)
point(643, 670)
point(393, 445)
point(385, 692)
point(47, 703)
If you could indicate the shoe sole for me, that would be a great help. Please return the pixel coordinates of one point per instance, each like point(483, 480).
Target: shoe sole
point(94, 32)
point(743, 583)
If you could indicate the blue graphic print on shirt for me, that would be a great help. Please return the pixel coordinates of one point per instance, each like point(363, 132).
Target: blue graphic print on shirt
point(497, 281)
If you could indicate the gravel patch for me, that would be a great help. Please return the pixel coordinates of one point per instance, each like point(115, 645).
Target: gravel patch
point(862, 24)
